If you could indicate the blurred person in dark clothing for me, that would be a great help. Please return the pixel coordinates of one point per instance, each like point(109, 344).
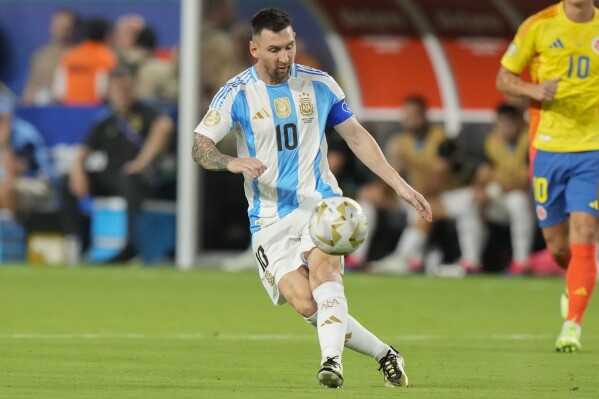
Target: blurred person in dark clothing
point(116, 158)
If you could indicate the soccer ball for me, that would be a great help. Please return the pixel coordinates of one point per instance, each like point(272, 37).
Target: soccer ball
point(338, 225)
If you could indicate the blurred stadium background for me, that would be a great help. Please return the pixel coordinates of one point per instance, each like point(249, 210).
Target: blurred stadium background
point(143, 331)
point(380, 51)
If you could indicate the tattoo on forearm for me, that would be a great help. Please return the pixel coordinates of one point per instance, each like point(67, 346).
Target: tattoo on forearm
point(206, 154)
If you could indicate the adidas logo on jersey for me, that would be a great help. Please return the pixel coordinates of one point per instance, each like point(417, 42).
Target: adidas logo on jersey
point(582, 291)
point(557, 44)
point(262, 114)
point(594, 204)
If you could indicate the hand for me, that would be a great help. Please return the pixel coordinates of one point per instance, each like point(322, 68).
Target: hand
point(545, 91)
point(250, 166)
point(134, 167)
point(417, 200)
point(79, 184)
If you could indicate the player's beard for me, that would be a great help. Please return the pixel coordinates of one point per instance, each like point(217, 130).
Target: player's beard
point(279, 75)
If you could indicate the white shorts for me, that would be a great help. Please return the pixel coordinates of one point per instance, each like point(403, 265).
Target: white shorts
point(279, 248)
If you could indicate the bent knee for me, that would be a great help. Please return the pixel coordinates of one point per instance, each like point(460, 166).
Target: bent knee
point(560, 253)
point(326, 270)
point(305, 307)
point(584, 232)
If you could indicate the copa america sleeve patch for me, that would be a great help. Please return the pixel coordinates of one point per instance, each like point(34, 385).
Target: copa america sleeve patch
point(339, 113)
point(211, 118)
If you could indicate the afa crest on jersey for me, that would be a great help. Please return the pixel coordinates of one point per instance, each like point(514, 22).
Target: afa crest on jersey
point(283, 107)
point(306, 107)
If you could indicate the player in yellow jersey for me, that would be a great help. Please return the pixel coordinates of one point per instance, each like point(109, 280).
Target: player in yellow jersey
point(561, 47)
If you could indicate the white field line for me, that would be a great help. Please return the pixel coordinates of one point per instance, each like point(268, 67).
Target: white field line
point(265, 337)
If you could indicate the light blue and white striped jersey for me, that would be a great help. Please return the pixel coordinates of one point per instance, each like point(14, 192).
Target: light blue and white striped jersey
point(283, 126)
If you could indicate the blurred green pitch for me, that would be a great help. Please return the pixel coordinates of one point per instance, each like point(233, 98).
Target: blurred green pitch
point(96, 332)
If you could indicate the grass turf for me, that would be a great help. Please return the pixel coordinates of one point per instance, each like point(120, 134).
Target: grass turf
point(97, 332)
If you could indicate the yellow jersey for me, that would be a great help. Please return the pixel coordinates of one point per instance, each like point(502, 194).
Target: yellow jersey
point(554, 46)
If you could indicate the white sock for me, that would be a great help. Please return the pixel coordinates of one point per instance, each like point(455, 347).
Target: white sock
point(331, 319)
point(521, 224)
point(411, 244)
point(359, 339)
point(459, 204)
point(470, 231)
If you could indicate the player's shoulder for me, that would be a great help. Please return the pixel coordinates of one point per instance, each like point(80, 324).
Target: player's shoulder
point(437, 133)
point(546, 15)
point(232, 87)
point(309, 73)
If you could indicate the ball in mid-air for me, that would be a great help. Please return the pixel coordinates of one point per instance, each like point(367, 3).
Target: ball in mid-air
point(338, 225)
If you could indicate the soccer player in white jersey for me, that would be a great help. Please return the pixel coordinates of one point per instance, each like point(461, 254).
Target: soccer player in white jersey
point(280, 111)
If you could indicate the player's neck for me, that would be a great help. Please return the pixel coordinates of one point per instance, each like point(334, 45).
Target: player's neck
point(579, 13)
point(266, 78)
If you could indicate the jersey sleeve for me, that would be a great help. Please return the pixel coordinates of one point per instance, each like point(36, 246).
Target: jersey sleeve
point(218, 121)
point(522, 49)
point(340, 111)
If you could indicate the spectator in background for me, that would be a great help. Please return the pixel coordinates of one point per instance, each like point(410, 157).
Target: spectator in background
point(502, 184)
point(156, 79)
point(82, 76)
point(45, 60)
point(242, 34)
point(304, 57)
point(219, 56)
point(117, 158)
point(26, 173)
point(433, 165)
point(124, 39)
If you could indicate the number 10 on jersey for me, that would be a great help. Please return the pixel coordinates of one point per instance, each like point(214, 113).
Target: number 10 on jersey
point(287, 136)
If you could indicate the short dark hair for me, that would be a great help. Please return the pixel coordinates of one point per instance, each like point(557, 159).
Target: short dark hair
point(97, 29)
point(273, 19)
point(416, 100)
point(147, 39)
point(509, 110)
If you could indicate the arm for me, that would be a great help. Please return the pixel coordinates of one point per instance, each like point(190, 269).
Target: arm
point(7, 157)
point(160, 132)
point(205, 153)
point(511, 84)
point(369, 152)
point(78, 180)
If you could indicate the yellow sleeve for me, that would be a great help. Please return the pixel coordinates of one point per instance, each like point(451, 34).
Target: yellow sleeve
point(522, 49)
